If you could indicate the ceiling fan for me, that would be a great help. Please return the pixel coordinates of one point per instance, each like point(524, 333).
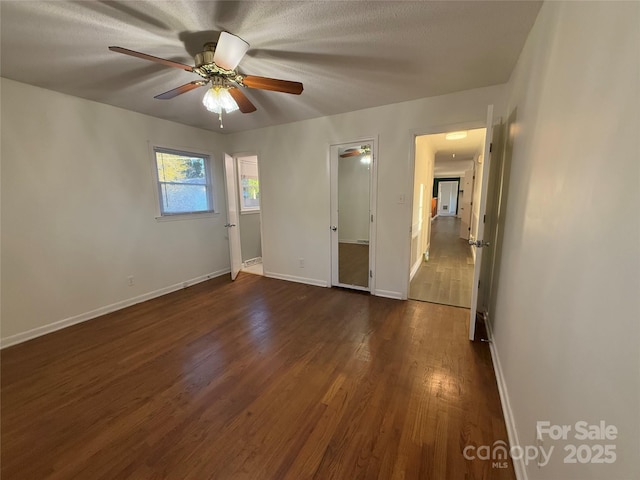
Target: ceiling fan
point(356, 151)
point(216, 64)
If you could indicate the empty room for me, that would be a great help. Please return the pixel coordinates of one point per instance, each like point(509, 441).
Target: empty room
point(228, 234)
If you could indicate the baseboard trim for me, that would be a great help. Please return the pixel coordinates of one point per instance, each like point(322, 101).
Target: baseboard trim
point(293, 278)
point(98, 312)
point(356, 242)
point(388, 294)
point(512, 433)
point(251, 261)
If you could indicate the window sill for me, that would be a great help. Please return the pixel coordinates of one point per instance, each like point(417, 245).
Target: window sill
point(186, 216)
point(249, 212)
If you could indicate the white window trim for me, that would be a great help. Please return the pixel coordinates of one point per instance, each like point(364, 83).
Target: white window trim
point(246, 210)
point(179, 149)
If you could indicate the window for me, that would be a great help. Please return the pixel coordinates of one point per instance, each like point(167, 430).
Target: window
point(184, 182)
point(249, 186)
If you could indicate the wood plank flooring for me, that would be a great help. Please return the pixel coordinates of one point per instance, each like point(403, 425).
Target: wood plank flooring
point(447, 276)
point(353, 264)
point(256, 379)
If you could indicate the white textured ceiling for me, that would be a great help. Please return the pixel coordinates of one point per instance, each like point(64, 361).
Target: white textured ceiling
point(348, 55)
point(464, 150)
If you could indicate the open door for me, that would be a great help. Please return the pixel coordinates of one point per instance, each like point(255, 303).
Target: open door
point(465, 204)
point(478, 243)
point(233, 231)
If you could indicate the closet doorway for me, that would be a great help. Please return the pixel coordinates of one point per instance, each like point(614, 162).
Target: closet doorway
point(352, 167)
point(243, 217)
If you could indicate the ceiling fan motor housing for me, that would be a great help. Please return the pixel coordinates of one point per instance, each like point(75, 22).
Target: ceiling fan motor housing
point(209, 70)
point(206, 56)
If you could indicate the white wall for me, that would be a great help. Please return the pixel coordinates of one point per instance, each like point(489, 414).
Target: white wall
point(421, 224)
point(353, 199)
point(79, 206)
point(566, 324)
point(295, 185)
point(250, 236)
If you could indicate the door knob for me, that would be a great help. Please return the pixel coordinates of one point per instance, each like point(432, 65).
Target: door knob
point(230, 225)
point(334, 228)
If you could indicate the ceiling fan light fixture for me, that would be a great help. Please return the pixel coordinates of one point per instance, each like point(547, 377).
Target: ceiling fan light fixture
point(456, 135)
point(218, 99)
point(229, 51)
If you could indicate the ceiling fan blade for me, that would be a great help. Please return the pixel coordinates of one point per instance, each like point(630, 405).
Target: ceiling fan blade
point(244, 104)
point(273, 84)
point(229, 51)
point(144, 56)
point(351, 153)
point(180, 90)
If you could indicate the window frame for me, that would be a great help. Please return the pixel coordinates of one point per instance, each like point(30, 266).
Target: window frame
point(254, 160)
point(209, 184)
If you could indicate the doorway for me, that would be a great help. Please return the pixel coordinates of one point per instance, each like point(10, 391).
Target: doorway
point(447, 203)
point(243, 214)
point(442, 260)
point(446, 254)
point(352, 167)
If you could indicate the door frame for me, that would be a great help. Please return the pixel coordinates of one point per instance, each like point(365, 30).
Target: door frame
point(488, 124)
point(373, 195)
point(235, 157)
point(444, 128)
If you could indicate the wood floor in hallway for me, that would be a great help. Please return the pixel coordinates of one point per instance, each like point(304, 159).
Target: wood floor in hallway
point(447, 276)
point(253, 379)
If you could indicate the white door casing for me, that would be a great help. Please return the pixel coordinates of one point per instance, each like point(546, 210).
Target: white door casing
point(465, 204)
point(335, 218)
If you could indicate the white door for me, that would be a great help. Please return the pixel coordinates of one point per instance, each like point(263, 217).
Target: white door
point(465, 204)
point(352, 169)
point(233, 231)
point(479, 239)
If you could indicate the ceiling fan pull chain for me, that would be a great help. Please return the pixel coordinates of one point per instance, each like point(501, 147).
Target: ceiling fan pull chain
point(220, 118)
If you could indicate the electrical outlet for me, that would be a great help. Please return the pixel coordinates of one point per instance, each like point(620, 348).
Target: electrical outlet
point(301, 262)
point(130, 280)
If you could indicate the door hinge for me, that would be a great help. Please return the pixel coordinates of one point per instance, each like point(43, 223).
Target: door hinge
point(478, 283)
point(372, 218)
point(469, 228)
point(484, 219)
point(491, 147)
point(371, 273)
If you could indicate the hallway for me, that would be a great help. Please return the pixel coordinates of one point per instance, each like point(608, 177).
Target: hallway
point(446, 278)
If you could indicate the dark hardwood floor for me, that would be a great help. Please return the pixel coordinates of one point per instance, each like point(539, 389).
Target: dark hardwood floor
point(257, 379)
point(447, 276)
point(353, 264)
